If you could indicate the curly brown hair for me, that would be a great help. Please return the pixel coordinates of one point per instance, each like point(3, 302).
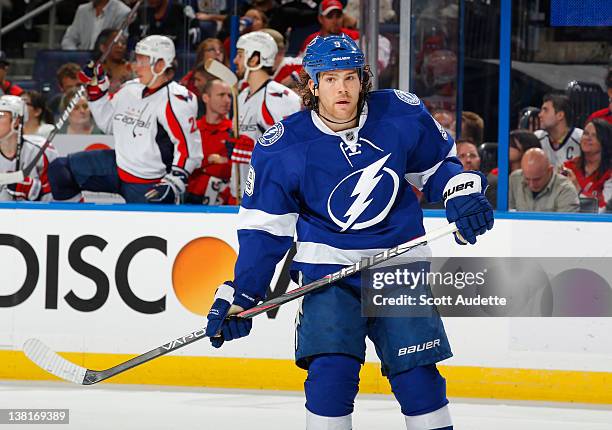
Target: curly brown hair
point(311, 102)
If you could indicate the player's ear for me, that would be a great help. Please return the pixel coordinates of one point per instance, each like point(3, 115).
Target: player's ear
point(311, 87)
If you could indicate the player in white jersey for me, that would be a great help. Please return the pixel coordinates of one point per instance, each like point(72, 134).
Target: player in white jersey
point(153, 120)
point(263, 102)
point(559, 141)
point(17, 150)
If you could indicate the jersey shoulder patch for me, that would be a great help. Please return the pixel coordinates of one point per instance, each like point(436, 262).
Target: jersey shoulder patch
point(407, 97)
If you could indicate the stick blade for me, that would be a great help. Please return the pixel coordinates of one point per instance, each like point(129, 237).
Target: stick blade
point(50, 361)
point(221, 71)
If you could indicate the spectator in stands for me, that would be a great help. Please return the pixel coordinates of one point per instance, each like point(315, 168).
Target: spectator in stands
point(209, 48)
point(538, 187)
point(286, 69)
point(605, 113)
point(209, 185)
point(39, 119)
point(558, 139)
point(520, 141)
point(256, 19)
point(529, 119)
point(330, 17)
point(90, 19)
point(467, 153)
point(164, 17)
point(80, 120)
point(472, 127)
point(67, 78)
point(591, 172)
point(5, 86)
point(198, 79)
point(117, 67)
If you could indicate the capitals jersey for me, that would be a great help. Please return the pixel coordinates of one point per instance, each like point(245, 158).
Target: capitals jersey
point(569, 148)
point(153, 130)
point(260, 110)
point(345, 195)
point(30, 148)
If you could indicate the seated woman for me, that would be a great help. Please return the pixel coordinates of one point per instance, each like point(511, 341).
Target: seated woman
point(591, 172)
point(39, 119)
point(80, 120)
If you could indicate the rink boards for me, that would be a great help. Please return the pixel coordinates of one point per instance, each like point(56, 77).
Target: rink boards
point(102, 286)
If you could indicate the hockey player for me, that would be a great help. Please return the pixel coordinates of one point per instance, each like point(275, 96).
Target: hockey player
point(339, 176)
point(209, 184)
point(263, 102)
point(153, 120)
point(18, 150)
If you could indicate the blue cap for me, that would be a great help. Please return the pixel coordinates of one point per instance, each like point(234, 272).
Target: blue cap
point(333, 52)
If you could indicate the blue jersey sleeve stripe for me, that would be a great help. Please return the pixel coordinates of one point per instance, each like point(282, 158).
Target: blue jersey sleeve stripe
point(277, 225)
point(419, 180)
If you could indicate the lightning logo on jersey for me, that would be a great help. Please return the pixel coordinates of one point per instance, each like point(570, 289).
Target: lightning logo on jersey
point(376, 186)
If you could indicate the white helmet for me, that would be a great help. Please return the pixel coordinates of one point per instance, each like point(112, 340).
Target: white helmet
point(258, 41)
point(15, 105)
point(156, 47)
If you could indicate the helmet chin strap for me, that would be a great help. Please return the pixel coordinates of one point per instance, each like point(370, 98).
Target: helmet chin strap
point(155, 75)
point(250, 69)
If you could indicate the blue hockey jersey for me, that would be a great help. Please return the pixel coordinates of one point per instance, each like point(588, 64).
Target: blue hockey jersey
point(345, 195)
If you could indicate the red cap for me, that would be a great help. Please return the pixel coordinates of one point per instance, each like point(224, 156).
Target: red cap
point(327, 6)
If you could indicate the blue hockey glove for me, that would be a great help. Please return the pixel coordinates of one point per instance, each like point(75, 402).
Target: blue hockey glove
point(467, 206)
point(170, 189)
point(221, 328)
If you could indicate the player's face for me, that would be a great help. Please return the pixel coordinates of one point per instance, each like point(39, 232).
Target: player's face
point(239, 62)
point(468, 155)
point(142, 68)
point(219, 100)
point(331, 23)
point(548, 117)
point(6, 119)
point(338, 94)
point(590, 143)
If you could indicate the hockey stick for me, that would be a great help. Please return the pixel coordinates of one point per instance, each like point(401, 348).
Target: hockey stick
point(50, 361)
point(221, 71)
point(20, 175)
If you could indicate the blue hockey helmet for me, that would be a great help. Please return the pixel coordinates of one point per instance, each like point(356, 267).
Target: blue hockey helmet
point(332, 53)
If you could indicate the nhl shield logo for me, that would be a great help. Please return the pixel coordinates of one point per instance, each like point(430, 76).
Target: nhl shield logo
point(272, 134)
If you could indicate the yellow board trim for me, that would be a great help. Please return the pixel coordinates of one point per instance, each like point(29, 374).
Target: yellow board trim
point(274, 374)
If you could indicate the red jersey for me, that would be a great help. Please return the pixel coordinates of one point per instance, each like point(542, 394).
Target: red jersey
point(594, 185)
point(10, 89)
point(353, 34)
point(605, 114)
point(188, 81)
point(213, 142)
point(211, 181)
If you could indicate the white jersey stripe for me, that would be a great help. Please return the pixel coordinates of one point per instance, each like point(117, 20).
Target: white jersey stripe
point(420, 179)
point(320, 253)
point(278, 225)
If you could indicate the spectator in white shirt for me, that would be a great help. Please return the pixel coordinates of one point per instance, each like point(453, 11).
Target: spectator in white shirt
point(90, 19)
